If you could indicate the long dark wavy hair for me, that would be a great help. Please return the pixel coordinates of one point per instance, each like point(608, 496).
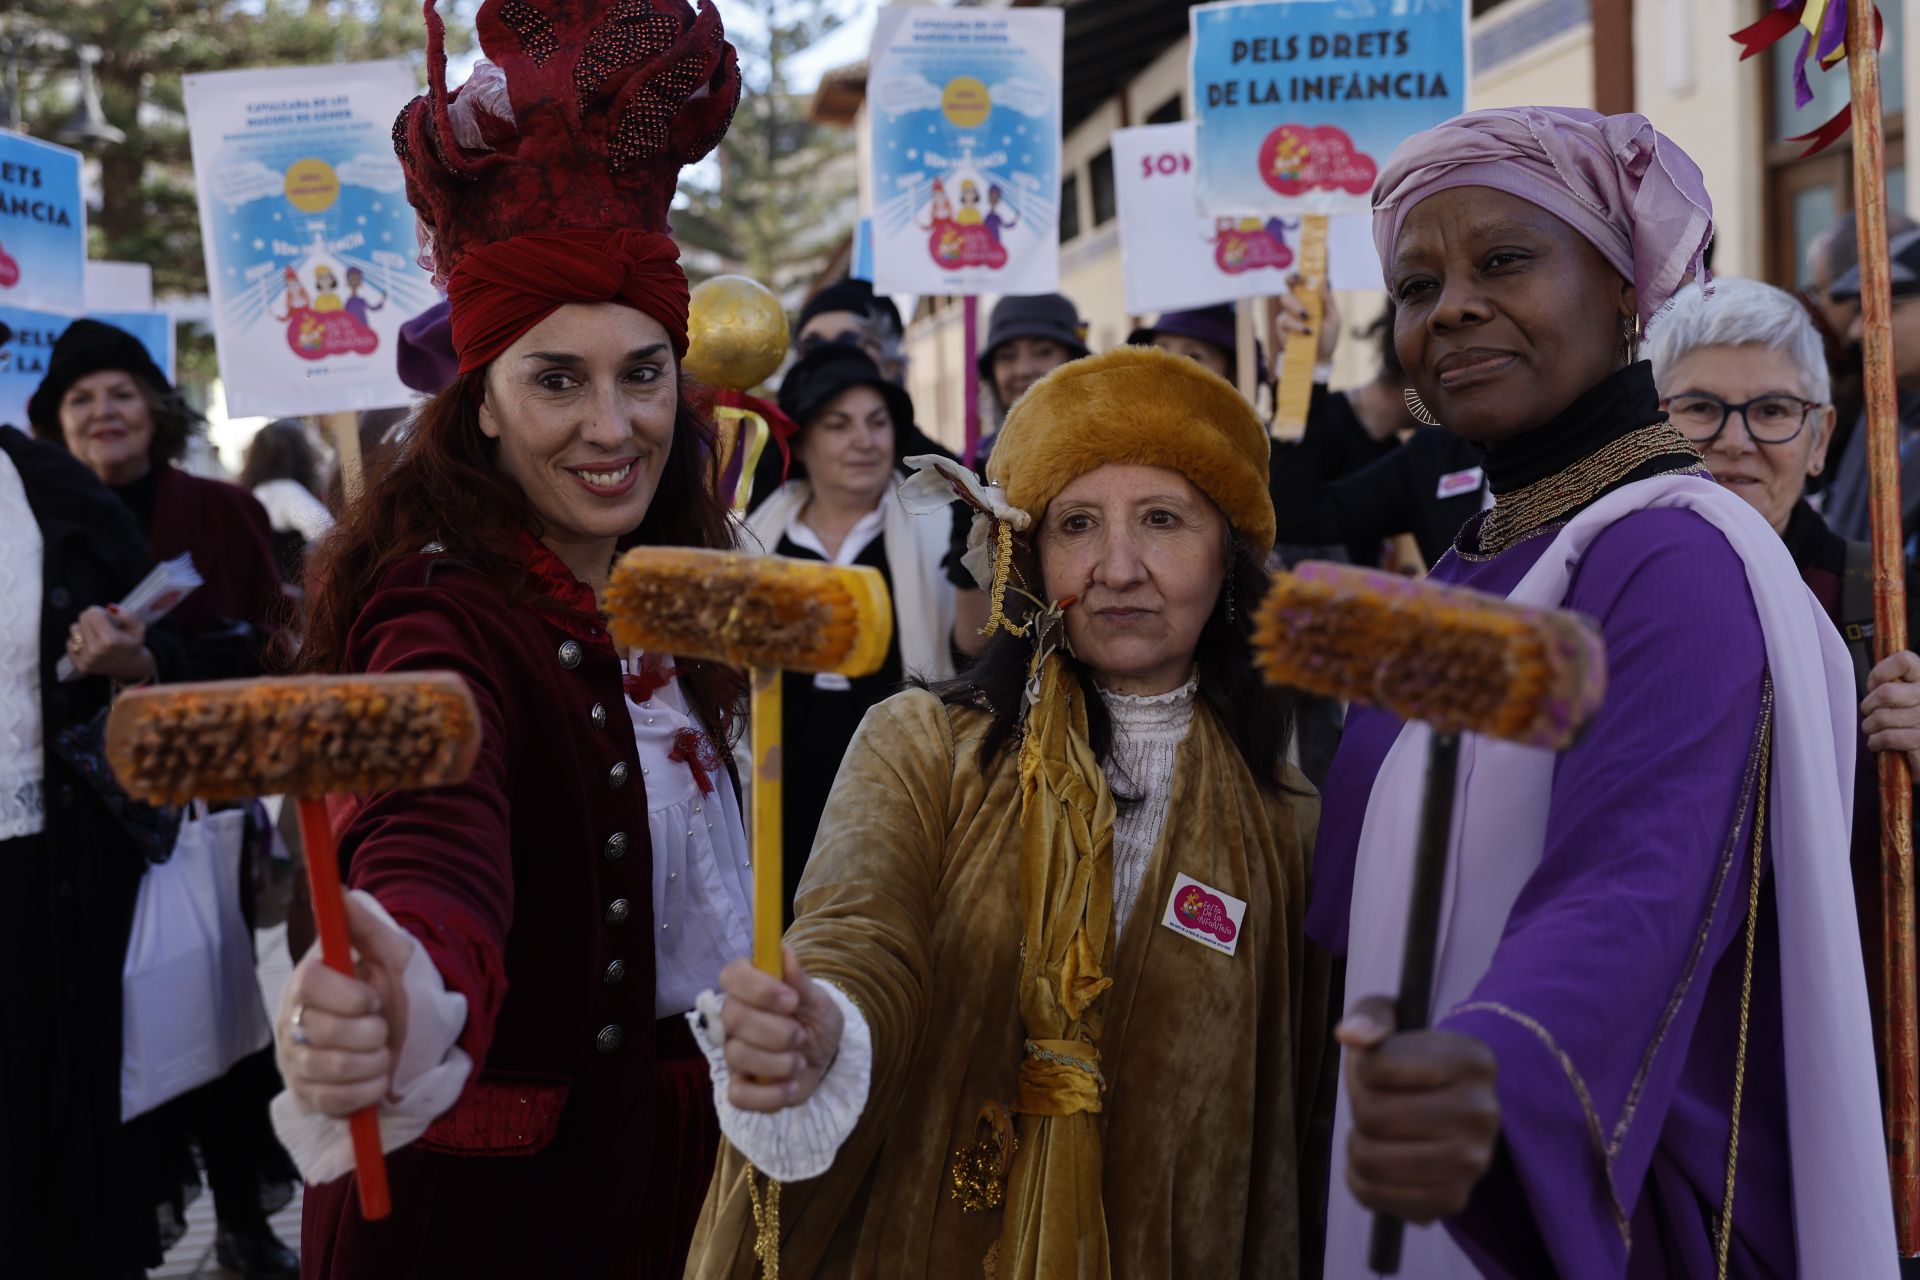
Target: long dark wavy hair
point(1258, 717)
point(445, 485)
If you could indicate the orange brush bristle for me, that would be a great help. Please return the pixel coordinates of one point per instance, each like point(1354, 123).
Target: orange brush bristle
point(303, 736)
point(1460, 660)
point(751, 611)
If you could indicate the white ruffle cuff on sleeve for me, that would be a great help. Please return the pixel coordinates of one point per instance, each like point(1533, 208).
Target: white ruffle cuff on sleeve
point(799, 1142)
point(426, 1082)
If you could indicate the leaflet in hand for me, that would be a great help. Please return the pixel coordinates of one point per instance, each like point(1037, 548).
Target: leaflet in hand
point(155, 597)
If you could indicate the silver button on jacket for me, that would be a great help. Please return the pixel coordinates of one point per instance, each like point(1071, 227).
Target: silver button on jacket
point(617, 776)
point(570, 654)
point(616, 973)
point(618, 910)
point(599, 714)
point(616, 846)
point(610, 1039)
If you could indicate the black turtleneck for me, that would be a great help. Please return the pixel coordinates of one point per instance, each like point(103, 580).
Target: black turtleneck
point(139, 498)
point(1622, 402)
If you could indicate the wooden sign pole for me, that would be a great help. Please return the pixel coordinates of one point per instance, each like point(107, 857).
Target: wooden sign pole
point(1889, 622)
point(344, 428)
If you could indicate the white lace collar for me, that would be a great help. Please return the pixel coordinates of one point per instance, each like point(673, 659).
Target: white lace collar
point(1137, 715)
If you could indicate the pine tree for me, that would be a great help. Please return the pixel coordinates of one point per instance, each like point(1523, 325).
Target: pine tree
point(148, 211)
point(780, 196)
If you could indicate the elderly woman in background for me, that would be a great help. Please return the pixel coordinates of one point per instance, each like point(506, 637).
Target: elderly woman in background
point(841, 504)
point(283, 471)
point(110, 406)
point(105, 401)
point(1742, 373)
point(1651, 1052)
point(999, 928)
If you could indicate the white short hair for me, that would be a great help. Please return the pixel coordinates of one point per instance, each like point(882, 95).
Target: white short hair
point(1741, 313)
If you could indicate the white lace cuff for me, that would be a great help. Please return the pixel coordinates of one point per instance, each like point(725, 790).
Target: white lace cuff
point(426, 1082)
point(799, 1142)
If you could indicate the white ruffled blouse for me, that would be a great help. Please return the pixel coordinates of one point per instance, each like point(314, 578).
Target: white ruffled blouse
point(702, 877)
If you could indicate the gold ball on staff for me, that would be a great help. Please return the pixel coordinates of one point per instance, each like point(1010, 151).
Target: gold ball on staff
point(737, 333)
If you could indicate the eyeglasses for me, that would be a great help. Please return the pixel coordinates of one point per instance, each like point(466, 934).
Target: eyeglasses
point(1769, 419)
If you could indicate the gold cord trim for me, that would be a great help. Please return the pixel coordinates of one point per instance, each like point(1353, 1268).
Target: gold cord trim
point(1580, 1091)
point(1755, 777)
point(766, 1224)
point(1525, 511)
point(997, 619)
point(1724, 1231)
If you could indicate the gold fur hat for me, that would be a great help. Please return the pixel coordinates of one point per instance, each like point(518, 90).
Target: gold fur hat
point(1137, 406)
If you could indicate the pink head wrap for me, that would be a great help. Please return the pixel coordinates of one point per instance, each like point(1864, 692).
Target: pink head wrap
point(1638, 198)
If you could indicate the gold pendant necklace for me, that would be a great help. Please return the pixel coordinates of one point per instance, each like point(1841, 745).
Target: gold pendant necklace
point(1527, 510)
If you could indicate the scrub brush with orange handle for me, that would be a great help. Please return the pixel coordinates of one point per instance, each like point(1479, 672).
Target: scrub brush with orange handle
point(1463, 662)
point(308, 737)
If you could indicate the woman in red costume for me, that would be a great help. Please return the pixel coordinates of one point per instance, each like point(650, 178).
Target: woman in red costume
point(529, 940)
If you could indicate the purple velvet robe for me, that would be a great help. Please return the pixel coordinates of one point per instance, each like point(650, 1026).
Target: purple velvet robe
point(1612, 1002)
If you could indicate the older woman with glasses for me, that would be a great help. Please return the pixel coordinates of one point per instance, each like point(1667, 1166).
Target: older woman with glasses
point(1743, 374)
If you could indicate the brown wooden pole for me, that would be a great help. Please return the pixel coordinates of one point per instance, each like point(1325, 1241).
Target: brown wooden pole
point(1889, 624)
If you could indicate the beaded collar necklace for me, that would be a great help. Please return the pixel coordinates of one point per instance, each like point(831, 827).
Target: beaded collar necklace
point(1545, 503)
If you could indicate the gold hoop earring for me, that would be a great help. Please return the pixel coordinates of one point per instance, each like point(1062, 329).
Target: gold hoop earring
point(1418, 411)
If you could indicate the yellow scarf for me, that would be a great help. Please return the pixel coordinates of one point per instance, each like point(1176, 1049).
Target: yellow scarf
point(1055, 1223)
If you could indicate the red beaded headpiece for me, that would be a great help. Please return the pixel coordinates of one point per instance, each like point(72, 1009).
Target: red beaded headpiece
point(608, 102)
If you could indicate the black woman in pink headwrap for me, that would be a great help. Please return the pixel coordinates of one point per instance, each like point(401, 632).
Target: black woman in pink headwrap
point(1651, 1053)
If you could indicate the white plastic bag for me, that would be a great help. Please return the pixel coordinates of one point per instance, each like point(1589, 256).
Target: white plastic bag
point(191, 999)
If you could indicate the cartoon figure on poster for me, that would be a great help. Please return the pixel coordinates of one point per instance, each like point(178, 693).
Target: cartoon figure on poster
point(319, 323)
point(310, 242)
point(1250, 244)
point(1297, 103)
point(966, 151)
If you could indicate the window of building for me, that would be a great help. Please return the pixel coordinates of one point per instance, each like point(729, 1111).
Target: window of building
point(1069, 207)
point(1168, 112)
point(1100, 173)
point(1803, 196)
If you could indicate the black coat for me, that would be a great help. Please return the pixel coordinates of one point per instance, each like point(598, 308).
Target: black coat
point(77, 1188)
point(1335, 485)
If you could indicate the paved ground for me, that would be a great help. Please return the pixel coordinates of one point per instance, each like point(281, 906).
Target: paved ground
point(192, 1258)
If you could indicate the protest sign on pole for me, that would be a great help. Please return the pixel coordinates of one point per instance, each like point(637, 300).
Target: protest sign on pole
point(310, 242)
point(23, 357)
point(966, 150)
point(43, 227)
point(1298, 103)
point(1174, 257)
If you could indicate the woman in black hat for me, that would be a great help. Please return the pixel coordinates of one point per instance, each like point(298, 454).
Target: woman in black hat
point(840, 504)
point(105, 401)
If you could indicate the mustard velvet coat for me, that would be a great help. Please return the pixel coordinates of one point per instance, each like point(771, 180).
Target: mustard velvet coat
point(1219, 1068)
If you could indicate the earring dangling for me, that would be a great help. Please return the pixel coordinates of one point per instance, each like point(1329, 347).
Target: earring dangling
point(1630, 337)
point(1417, 408)
point(1233, 615)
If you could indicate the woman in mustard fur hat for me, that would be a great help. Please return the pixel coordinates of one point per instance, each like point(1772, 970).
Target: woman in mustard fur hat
point(1047, 1008)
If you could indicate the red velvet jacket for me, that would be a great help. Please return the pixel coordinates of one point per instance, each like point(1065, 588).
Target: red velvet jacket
point(530, 886)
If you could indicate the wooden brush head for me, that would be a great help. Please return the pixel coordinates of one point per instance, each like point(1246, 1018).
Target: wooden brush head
point(1460, 660)
point(301, 736)
point(751, 611)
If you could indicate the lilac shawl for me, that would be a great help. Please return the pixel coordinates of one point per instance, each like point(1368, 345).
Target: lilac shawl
point(1638, 198)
